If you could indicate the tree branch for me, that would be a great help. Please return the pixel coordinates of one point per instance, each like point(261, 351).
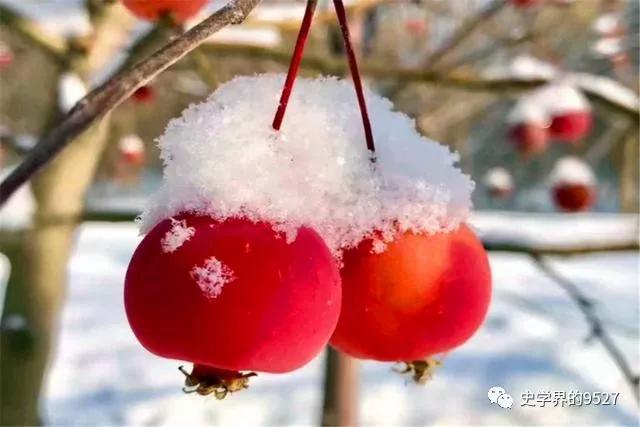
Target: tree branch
point(598, 329)
point(564, 250)
point(52, 45)
point(106, 97)
point(465, 30)
point(587, 83)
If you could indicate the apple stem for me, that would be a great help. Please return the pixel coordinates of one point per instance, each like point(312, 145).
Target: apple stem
point(295, 63)
point(355, 73)
point(353, 67)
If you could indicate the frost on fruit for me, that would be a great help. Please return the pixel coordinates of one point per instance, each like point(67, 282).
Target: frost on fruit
point(177, 235)
point(223, 159)
point(212, 276)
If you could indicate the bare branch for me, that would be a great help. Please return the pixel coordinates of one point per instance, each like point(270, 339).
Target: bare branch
point(461, 81)
point(52, 45)
point(598, 329)
point(563, 250)
point(108, 96)
point(466, 29)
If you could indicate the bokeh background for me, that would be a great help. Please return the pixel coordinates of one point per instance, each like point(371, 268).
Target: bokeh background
point(565, 313)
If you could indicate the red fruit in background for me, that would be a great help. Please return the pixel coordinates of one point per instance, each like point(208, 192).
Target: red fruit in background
point(144, 94)
point(529, 138)
point(6, 56)
point(425, 294)
point(152, 10)
point(526, 3)
point(571, 126)
point(499, 183)
point(232, 295)
point(416, 27)
point(574, 197)
point(131, 149)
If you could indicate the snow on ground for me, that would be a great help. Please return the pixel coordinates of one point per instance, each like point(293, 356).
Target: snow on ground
point(533, 340)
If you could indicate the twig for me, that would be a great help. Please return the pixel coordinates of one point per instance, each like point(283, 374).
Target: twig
point(466, 29)
point(456, 81)
point(564, 250)
point(597, 327)
point(106, 97)
point(50, 44)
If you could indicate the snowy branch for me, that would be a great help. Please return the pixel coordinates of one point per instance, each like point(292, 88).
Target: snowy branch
point(598, 329)
point(52, 45)
point(598, 89)
point(108, 96)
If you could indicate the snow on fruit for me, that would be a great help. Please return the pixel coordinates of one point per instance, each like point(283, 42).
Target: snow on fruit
point(424, 295)
point(131, 150)
point(573, 185)
point(230, 296)
point(529, 127)
point(571, 117)
point(152, 10)
point(499, 183)
point(258, 228)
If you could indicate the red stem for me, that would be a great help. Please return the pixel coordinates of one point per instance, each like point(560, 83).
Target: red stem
point(355, 73)
point(295, 63)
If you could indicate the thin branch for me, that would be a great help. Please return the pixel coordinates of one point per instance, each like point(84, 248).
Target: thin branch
point(561, 250)
point(108, 96)
point(598, 329)
point(466, 29)
point(50, 44)
point(461, 81)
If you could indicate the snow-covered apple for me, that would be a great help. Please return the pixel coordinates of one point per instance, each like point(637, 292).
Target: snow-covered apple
point(131, 150)
point(499, 183)
point(152, 10)
point(231, 296)
point(529, 126)
point(570, 112)
point(253, 204)
point(573, 185)
point(424, 295)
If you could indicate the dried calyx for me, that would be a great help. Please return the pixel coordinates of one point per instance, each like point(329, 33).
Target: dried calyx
point(421, 371)
point(206, 380)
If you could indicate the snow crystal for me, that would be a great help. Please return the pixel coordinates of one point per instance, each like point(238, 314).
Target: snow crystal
point(212, 276)
point(177, 235)
point(223, 159)
point(498, 178)
point(572, 170)
point(71, 89)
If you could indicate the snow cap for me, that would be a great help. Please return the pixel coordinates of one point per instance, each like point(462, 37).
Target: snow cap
point(572, 170)
point(131, 144)
point(498, 178)
point(222, 158)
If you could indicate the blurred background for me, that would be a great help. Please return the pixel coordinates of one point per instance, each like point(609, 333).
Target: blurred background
point(539, 97)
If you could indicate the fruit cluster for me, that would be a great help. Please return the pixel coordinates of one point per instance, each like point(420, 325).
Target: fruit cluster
point(244, 269)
